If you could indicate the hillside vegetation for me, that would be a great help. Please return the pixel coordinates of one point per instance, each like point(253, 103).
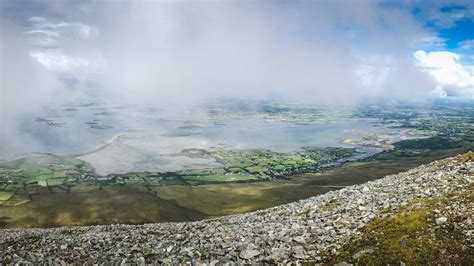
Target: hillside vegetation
point(421, 216)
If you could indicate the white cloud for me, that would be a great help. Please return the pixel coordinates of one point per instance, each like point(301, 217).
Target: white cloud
point(148, 51)
point(62, 46)
point(374, 70)
point(85, 31)
point(446, 69)
point(21, 77)
point(36, 19)
point(466, 45)
point(390, 76)
point(58, 62)
point(439, 92)
point(48, 33)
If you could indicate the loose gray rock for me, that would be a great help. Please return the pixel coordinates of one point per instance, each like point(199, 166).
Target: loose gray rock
point(299, 252)
point(308, 230)
point(299, 239)
point(441, 220)
point(249, 253)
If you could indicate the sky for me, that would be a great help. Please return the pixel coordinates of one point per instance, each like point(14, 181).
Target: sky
point(167, 53)
point(184, 53)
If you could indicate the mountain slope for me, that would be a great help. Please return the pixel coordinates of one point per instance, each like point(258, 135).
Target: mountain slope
point(401, 217)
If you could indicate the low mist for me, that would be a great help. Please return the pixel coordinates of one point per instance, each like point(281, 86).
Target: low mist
point(171, 54)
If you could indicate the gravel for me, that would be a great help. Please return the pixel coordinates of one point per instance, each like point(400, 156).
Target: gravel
point(313, 229)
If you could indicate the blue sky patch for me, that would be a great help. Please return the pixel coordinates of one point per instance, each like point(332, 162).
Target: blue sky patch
point(462, 31)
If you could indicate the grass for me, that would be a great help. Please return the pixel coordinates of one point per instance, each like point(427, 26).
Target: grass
point(89, 206)
point(15, 201)
point(422, 132)
point(262, 162)
point(210, 171)
point(219, 178)
point(55, 181)
point(258, 170)
point(60, 174)
point(5, 195)
point(466, 157)
point(412, 237)
point(175, 200)
point(222, 199)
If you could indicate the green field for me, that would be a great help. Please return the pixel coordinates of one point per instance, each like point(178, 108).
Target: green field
point(4, 195)
point(40, 190)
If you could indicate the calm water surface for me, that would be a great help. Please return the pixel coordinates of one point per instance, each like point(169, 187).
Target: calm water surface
point(82, 128)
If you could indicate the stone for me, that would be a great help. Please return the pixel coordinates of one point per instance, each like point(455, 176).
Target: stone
point(299, 252)
point(278, 235)
point(299, 239)
point(280, 254)
point(249, 253)
point(441, 220)
point(295, 226)
point(343, 264)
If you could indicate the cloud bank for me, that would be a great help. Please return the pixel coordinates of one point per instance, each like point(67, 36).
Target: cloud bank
point(187, 52)
point(25, 86)
point(182, 52)
point(336, 53)
point(453, 77)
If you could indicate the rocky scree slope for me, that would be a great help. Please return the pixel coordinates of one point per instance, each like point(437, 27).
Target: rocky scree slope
point(316, 229)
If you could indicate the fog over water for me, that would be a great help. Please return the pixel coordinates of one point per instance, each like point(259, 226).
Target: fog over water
point(176, 55)
point(80, 129)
